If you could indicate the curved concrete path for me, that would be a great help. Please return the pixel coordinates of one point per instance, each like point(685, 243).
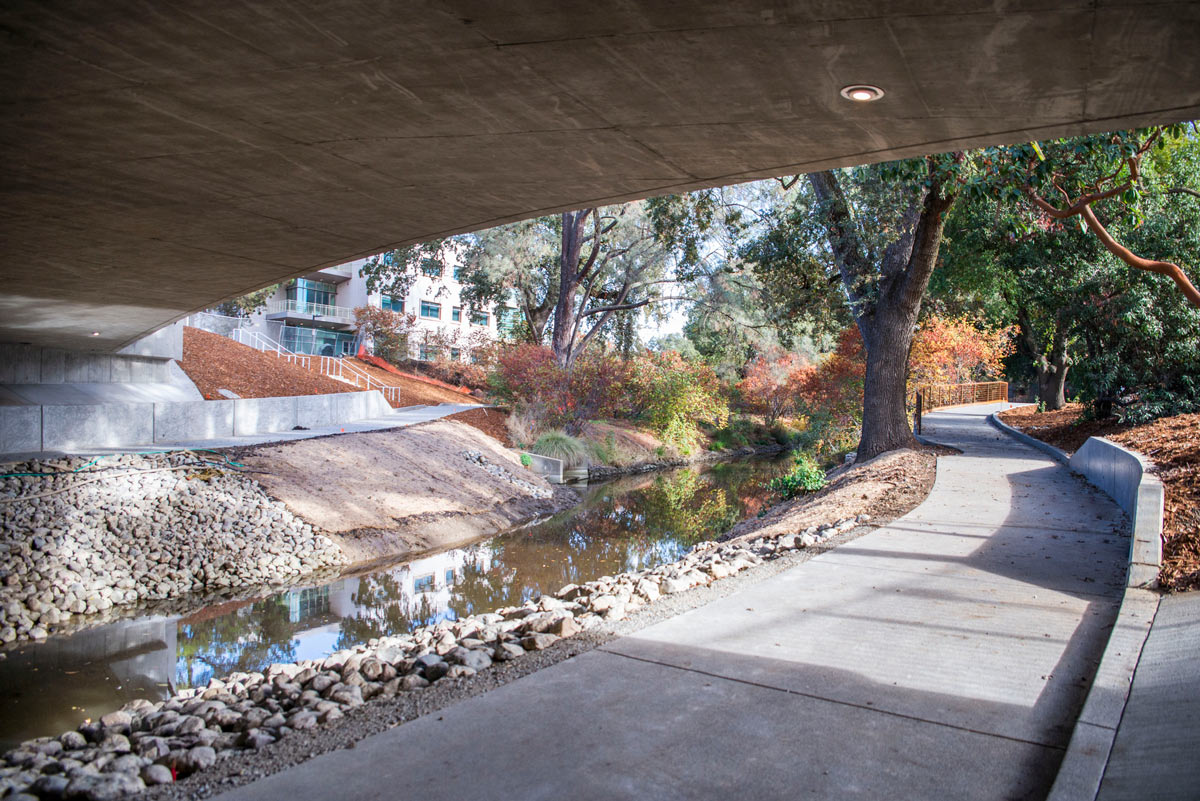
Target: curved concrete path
point(944, 656)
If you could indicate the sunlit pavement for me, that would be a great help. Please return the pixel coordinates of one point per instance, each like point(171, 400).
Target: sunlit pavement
point(944, 656)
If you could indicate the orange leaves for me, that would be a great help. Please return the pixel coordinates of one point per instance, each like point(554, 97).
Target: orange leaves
point(952, 350)
point(771, 384)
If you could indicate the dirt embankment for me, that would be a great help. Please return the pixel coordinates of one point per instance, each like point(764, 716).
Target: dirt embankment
point(885, 488)
point(403, 491)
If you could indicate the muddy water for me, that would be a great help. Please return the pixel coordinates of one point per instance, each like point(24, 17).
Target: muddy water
point(626, 524)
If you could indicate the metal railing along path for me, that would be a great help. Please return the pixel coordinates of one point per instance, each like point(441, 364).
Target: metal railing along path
point(927, 397)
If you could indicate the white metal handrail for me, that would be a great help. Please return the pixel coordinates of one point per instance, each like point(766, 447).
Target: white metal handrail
point(342, 370)
point(260, 341)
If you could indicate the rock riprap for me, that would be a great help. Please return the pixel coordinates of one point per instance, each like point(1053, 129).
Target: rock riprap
point(94, 534)
point(147, 742)
point(475, 457)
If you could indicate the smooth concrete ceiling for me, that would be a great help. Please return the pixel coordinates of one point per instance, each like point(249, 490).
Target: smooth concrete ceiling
point(161, 156)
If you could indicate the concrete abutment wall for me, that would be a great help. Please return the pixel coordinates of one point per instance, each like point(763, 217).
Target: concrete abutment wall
point(26, 430)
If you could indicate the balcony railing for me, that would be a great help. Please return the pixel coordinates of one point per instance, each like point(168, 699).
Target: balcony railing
point(341, 314)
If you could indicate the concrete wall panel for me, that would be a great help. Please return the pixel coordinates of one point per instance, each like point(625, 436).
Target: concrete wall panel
point(359, 405)
point(313, 411)
point(20, 429)
point(20, 364)
point(54, 366)
point(259, 415)
point(547, 467)
point(174, 422)
point(106, 425)
point(1124, 475)
point(165, 343)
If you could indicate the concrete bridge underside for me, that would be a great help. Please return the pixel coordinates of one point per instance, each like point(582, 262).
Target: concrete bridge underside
point(160, 157)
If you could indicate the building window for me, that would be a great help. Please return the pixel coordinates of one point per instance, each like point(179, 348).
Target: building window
point(317, 341)
point(428, 353)
point(393, 304)
point(431, 269)
point(455, 353)
point(450, 576)
point(431, 311)
point(480, 318)
point(423, 583)
point(508, 320)
point(456, 314)
point(304, 294)
point(458, 272)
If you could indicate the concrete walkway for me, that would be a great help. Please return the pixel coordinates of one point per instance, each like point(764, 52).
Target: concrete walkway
point(1156, 753)
point(398, 418)
point(944, 656)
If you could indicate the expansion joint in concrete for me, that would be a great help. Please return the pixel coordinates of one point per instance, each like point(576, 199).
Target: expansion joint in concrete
point(817, 697)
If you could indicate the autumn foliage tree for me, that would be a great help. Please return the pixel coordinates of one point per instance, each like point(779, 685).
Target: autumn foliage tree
point(772, 384)
point(952, 350)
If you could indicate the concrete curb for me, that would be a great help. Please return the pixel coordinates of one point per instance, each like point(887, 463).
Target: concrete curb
point(1021, 436)
point(1091, 742)
point(1087, 754)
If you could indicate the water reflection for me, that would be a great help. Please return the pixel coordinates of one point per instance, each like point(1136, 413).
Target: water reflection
point(626, 524)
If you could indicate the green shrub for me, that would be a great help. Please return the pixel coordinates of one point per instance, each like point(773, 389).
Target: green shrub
point(782, 434)
point(525, 460)
point(560, 445)
point(806, 476)
point(604, 452)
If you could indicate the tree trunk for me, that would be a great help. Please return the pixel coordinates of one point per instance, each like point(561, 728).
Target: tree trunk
point(562, 338)
point(1051, 369)
point(885, 424)
point(1052, 384)
point(888, 319)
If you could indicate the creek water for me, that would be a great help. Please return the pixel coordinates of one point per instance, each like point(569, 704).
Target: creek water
point(629, 523)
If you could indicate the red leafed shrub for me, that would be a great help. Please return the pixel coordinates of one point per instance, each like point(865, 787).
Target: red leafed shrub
point(830, 396)
point(771, 384)
point(662, 389)
point(527, 376)
point(835, 385)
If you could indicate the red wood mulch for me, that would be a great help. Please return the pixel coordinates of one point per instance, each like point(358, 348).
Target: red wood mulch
point(1172, 444)
point(414, 391)
point(489, 421)
point(215, 362)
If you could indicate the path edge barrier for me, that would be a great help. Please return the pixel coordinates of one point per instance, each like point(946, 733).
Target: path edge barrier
point(1021, 436)
point(1124, 476)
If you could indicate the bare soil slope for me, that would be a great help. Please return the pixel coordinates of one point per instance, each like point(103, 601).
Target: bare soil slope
point(387, 493)
point(215, 362)
point(885, 488)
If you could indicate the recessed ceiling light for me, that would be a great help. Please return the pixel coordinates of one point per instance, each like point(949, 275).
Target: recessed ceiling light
point(95, 333)
point(861, 92)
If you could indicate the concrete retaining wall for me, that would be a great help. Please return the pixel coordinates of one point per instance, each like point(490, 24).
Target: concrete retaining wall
point(547, 467)
point(1125, 476)
point(29, 364)
point(26, 430)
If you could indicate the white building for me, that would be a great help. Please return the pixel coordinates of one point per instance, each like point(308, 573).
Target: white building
point(315, 314)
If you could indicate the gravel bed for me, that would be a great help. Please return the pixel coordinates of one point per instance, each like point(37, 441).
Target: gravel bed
point(79, 537)
point(243, 726)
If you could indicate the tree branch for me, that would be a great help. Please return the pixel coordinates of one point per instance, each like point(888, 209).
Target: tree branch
point(1169, 269)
